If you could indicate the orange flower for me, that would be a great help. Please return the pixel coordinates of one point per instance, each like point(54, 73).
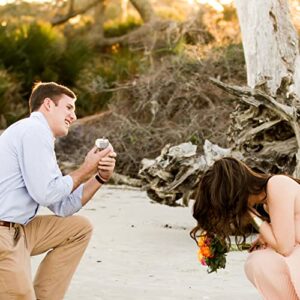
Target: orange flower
point(202, 241)
point(205, 250)
point(201, 258)
point(200, 255)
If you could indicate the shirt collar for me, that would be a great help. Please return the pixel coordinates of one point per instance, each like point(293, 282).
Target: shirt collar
point(40, 116)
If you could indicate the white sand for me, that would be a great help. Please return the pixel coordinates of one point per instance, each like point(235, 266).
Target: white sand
point(142, 250)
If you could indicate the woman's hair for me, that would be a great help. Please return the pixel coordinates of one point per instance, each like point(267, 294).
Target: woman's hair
point(222, 199)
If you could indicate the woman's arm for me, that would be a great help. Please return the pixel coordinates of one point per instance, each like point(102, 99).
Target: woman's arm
point(280, 233)
point(258, 243)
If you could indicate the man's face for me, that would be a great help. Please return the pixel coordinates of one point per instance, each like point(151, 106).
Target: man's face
point(62, 115)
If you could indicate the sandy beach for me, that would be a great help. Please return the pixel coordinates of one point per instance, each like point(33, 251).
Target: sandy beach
point(142, 250)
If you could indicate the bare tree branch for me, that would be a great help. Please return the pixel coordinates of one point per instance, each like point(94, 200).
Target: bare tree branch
point(144, 35)
point(58, 20)
point(144, 9)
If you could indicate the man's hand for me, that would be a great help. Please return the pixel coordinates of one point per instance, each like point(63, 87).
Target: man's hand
point(106, 165)
point(92, 159)
point(89, 166)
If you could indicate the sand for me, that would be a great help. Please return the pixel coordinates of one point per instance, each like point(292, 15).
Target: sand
point(142, 250)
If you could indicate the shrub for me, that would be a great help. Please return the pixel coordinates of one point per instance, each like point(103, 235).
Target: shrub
point(73, 60)
point(32, 51)
point(12, 107)
point(114, 28)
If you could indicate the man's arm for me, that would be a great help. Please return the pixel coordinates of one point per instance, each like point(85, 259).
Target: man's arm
point(82, 194)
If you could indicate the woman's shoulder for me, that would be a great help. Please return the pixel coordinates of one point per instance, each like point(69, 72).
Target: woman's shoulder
point(281, 179)
point(282, 183)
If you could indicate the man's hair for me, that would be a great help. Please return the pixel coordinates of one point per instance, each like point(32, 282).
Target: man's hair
point(52, 90)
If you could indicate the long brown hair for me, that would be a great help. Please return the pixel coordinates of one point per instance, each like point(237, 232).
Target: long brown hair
point(222, 199)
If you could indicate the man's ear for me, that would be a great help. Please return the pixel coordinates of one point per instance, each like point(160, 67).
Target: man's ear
point(47, 103)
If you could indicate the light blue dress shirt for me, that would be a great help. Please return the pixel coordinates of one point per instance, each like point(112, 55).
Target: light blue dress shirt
point(29, 174)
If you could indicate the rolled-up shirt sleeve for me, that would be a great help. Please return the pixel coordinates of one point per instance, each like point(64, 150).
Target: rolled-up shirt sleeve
point(42, 177)
point(69, 205)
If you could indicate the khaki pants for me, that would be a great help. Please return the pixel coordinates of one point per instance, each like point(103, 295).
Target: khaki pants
point(65, 239)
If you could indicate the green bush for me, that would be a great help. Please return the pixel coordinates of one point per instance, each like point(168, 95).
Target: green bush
point(12, 107)
point(90, 89)
point(38, 52)
point(32, 51)
point(116, 28)
point(73, 60)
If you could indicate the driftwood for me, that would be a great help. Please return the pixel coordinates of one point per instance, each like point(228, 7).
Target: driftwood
point(171, 178)
point(125, 180)
point(264, 133)
point(264, 130)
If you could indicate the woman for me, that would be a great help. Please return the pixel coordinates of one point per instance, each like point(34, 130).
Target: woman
point(226, 202)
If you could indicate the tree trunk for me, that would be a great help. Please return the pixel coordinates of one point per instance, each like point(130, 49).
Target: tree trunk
point(272, 102)
point(145, 9)
point(98, 31)
point(271, 46)
point(124, 9)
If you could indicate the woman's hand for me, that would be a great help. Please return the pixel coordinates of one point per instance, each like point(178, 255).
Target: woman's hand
point(258, 243)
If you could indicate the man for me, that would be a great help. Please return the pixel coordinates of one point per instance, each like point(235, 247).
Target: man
point(30, 177)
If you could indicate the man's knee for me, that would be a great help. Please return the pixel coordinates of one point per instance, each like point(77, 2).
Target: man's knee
point(17, 287)
point(84, 224)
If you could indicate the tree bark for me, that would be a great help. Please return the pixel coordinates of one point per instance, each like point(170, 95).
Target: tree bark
point(271, 46)
point(99, 18)
point(124, 9)
point(61, 19)
point(145, 9)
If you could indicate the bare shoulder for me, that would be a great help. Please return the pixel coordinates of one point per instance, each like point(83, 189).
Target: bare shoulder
point(279, 184)
point(278, 179)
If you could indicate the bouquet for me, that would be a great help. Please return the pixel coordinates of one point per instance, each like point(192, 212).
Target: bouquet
point(211, 253)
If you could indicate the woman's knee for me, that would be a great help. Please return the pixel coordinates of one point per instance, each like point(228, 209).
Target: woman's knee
point(262, 263)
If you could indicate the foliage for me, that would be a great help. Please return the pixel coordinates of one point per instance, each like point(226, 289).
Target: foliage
point(32, 51)
point(11, 105)
point(38, 52)
point(226, 62)
point(114, 28)
point(125, 64)
point(91, 88)
point(76, 55)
